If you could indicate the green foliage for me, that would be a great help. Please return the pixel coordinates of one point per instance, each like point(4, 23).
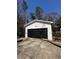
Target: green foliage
point(39, 12)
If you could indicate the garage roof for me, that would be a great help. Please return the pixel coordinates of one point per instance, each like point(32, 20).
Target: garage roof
point(36, 20)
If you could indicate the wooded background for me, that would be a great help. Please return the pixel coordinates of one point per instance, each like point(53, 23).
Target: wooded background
point(23, 18)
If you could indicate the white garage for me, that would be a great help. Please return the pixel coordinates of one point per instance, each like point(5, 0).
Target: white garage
point(39, 29)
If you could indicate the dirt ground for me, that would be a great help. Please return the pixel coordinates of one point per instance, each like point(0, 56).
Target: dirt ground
point(37, 49)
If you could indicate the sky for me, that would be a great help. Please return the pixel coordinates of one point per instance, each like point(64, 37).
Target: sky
point(48, 6)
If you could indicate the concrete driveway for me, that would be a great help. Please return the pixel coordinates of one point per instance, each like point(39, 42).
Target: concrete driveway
point(32, 48)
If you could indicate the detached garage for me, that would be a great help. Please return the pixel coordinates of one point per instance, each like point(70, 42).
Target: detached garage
point(39, 29)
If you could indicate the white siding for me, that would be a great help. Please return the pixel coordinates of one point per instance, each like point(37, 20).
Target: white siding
point(40, 25)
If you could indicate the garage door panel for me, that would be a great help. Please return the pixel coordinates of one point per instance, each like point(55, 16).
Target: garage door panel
point(37, 33)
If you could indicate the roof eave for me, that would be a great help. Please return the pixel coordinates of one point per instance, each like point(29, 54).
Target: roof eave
point(48, 22)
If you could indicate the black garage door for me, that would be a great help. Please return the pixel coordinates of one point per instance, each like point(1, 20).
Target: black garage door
point(37, 33)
